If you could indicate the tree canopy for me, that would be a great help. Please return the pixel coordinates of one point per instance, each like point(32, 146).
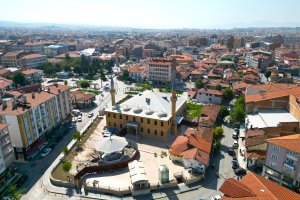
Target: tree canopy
point(199, 83)
point(19, 79)
point(228, 95)
point(218, 133)
point(238, 114)
point(223, 112)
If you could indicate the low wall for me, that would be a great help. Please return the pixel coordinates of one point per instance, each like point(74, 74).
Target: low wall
point(195, 179)
point(60, 183)
point(108, 190)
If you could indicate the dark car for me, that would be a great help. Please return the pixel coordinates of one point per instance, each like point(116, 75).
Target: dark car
point(240, 171)
point(235, 164)
point(231, 151)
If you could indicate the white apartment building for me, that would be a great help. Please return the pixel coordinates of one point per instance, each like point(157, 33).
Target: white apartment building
point(209, 96)
point(32, 60)
point(161, 70)
point(6, 150)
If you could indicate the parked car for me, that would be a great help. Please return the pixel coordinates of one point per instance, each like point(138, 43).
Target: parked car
point(45, 152)
point(235, 164)
point(231, 151)
point(217, 197)
point(91, 115)
point(71, 126)
point(43, 145)
point(235, 144)
point(237, 130)
point(79, 119)
point(235, 135)
point(74, 119)
point(240, 171)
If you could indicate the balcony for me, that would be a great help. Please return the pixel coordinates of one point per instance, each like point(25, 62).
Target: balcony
point(291, 157)
point(289, 166)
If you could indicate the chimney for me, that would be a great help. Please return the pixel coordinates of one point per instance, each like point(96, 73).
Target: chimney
point(59, 90)
point(33, 95)
point(48, 90)
point(4, 105)
point(39, 90)
point(14, 103)
point(24, 100)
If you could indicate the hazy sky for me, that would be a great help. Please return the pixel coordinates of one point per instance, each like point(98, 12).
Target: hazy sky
point(154, 13)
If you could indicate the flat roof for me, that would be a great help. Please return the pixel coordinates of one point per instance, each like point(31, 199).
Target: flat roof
point(264, 119)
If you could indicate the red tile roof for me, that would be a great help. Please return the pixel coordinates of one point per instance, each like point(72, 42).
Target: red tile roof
point(209, 91)
point(253, 186)
point(31, 71)
point(4, 82)
point(54, 88)
point(3, 126)
point(290, 142)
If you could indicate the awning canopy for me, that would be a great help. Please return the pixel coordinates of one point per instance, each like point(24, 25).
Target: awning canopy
point(111, 144)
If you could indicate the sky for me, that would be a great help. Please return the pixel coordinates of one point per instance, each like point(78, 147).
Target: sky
point(162, 14)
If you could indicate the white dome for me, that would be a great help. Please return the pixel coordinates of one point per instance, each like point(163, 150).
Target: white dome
point(137, 110)
point(126, 108)
point(149, 112)
point(162, 114)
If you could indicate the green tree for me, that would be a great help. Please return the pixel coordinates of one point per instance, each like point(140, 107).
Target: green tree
point(218, 133)
point(67, 166)
point(223, 112)
point(67, 57)
point(65, 82)
point(85, 84)
point(14, 192)
point(19, 79)
point(219, 87)
point(199, 84)
point(84, 64)
point(125, 75)
point(76, 135)
point(102, 76)
point(228, 95)
point(267, 74)
point(64, 150)
point(238, 114)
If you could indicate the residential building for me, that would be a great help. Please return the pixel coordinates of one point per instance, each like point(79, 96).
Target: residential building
point(5, 84)
point(253, 186)
point(193, 149)
point(81, 99)
point(35, 47)
point(161, 70)
point(282, 163)
point(6, 155)
point(54, 50)
point(137, 72)
point(11, 59)
point(150, 114)
point(32, 75)
point(264, 88)
point(209, 115)
point(63, 95)
point(151, 53)
point(259, 59)
point(32, 60)
point(5, 73)
point(29, 117)
point(208, 96)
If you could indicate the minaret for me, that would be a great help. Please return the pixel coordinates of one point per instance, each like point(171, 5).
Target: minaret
point(117, 57)
point(112, 91)
point(173, 104)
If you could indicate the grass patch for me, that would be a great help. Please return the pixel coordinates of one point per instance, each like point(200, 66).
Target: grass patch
point(96, 92)
point(169, 90)
point(144, 86)
point(84, 81)
point(193, 110)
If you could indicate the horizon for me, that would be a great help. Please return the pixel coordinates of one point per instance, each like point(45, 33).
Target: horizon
point(155, 14)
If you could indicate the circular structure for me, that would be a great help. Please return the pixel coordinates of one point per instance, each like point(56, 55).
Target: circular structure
point(137, 110)
point(126, 108)
point(111, 144)
point(162, 114)
point(149, 112)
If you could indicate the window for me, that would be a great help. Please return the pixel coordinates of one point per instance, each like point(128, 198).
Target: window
point(274, 157)
point(120, 116)
point(126, 117)
point(276, 148)
point(109, 124)
point(161, 133)
point(108, 114)
point(272, 164)
point(121, 126)
point(162, 124)
point(114, 115)
point(148, 121)
point(133, 119)
point(142, 129)
point(155, 122)
point(142, 120)
point(155, 132)
point(148, 131)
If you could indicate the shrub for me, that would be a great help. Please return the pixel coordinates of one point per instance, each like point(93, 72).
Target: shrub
point(67, 166)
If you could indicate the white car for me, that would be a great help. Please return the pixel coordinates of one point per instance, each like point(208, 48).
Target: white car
point(74, 119)
point(79, 119)
point(217, 197)
point(90, 115)
point(45, 152)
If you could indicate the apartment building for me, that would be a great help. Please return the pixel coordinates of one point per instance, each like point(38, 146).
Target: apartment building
point(208, 96)
point(32, 60)
point(54, 50)
point(11, 59)
point(259, 59)
point(35, 47)
point(63, 99)
point(32, 75)
point(29, 116)
point(161, 70)
point(282, 163)
point(6, 156)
